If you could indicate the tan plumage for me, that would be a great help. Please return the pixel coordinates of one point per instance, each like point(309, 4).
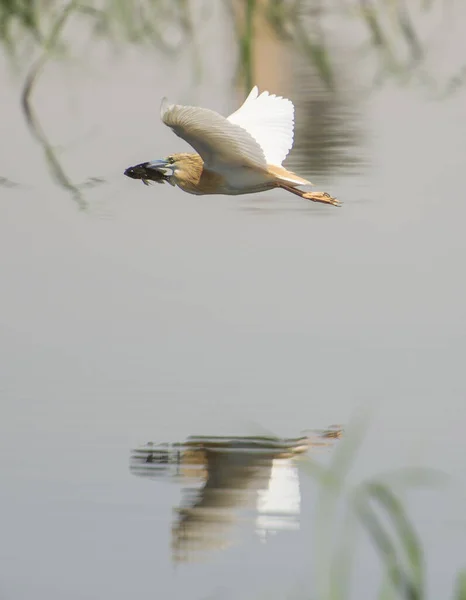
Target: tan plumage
point(241, 154)
point(192, 177)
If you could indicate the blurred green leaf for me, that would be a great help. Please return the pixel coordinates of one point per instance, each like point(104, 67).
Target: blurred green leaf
point(332, 483)
point(413, 477)
point(460, 590)
point(387, 591)
point(406, 571)
point(343, 559)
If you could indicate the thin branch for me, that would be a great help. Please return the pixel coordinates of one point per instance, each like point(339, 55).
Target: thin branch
point(32, 121)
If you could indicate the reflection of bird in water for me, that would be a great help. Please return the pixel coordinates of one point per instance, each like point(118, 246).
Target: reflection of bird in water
point(256, 475)
point(263, 480)
point(240, 154)
point(333, 432)
point(237, 480)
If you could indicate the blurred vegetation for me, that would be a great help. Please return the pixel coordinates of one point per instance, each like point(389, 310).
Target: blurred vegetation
point(390, 42)
point(375, 509)
point(391, 28)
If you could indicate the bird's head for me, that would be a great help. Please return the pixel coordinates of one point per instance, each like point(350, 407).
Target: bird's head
point(170, 169)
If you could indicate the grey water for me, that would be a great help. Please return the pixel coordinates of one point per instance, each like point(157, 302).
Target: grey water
point(153, 315)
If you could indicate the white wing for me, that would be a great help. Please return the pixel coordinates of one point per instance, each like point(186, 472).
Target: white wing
point(270, 121)
point(221, 143)
point(279, 506)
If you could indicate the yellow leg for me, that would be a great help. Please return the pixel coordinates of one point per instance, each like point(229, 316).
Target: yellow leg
point(313, 196)
point(323, 197)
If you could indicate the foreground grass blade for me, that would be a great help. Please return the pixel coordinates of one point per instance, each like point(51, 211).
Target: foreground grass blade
point(460, 591)
point(405, 569)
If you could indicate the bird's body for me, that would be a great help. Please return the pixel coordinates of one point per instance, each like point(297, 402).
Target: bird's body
point(241, 154)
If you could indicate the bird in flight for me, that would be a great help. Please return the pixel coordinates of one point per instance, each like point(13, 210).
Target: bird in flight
point(239, 154)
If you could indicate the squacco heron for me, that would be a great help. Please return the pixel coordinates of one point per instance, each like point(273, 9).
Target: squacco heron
point(240, 154)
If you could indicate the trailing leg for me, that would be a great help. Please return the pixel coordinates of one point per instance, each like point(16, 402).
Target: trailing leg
point(322, 197)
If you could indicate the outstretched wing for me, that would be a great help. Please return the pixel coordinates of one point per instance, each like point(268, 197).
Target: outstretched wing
point(270, 121)
point(220, 143)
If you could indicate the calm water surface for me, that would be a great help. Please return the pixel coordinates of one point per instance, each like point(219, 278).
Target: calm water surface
point(154, 315)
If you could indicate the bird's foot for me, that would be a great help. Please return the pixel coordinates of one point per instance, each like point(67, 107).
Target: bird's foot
point(321, 197)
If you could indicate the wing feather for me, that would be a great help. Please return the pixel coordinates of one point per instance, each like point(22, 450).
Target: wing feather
point(270, 121)
point(220, 143)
